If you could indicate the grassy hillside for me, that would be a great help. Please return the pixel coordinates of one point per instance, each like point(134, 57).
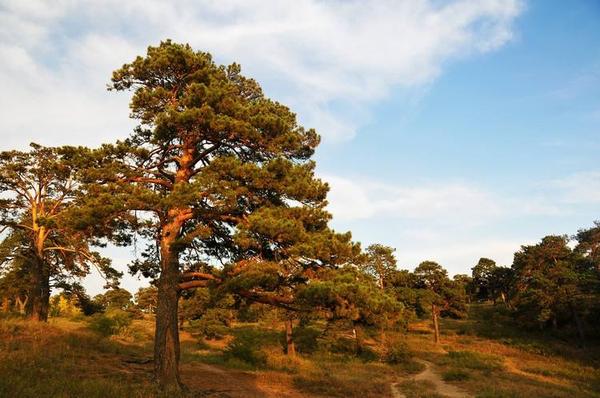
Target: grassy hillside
point(479, 356)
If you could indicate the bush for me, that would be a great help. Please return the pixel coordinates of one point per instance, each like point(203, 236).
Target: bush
point(110, 323)
point(248, 313)
point(396, 352)
point(455, 375)
point(246, 347)
point(305, 339)
point(366, 354)
point(338, 345)
point(61, 305)
point(213, 324)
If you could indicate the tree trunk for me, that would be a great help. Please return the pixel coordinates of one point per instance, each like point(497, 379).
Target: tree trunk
point(5, 304)
point(578, 323)
point(436, 327)
point(357, 337)
point(289, 340)
point(20, 304)
point(166, 338)
point(39, 294)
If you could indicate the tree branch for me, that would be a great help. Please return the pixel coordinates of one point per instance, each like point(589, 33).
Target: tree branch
point(200, 275)
point(158, 181)
point(270, 299)
point(193, 284)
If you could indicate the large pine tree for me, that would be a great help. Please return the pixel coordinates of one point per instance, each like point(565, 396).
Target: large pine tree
point(216, 174)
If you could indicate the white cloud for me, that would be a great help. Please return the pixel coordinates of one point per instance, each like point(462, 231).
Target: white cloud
point(325, 59)
point(579, 188)
point(354, 199)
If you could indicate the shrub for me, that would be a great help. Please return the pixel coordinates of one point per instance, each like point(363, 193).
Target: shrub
point(61, 305)
point(455, 375)
point(110, 323)
point(246, 347)
point(338, 345)
point(212, 325)
point(396, 352)
point(305, 339)
point(366, 354)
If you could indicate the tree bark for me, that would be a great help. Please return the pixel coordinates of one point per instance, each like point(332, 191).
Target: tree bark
point(20, 304)
point(578, 323)
point(436, 327)
point(166, 338)
point(39, 294)
point(289, 340)
point(357, 337)
point(5, 304)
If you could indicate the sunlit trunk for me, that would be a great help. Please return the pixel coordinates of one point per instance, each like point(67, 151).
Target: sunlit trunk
point(357, 337)
point(166, 339)
point(289, 340)
point(5, 304)
point(20, 304)
point(436, 327)
point(503, 296)
point(39, 291)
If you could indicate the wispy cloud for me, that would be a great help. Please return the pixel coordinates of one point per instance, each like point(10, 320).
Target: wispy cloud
point(326, 59)
point(455, 223)
point(578, 188)
point(445, 202)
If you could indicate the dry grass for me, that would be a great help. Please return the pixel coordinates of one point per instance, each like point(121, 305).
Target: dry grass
point(512, 364)
point(65, 359)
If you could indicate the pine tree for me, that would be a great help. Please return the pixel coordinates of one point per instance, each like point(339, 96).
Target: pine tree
point(215, 173)
point(40, 189)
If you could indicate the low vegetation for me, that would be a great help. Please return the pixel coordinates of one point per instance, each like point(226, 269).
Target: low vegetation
point(40, 360)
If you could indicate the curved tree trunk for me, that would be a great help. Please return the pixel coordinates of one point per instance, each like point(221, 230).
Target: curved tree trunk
point(166, 339)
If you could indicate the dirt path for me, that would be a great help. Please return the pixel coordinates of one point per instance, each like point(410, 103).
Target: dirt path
point(429, 375)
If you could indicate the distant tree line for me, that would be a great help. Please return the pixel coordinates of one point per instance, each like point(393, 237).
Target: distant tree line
point(553, 284)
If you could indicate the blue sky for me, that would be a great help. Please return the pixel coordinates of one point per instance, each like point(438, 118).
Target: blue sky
point(451, 130)
point(520, 123)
